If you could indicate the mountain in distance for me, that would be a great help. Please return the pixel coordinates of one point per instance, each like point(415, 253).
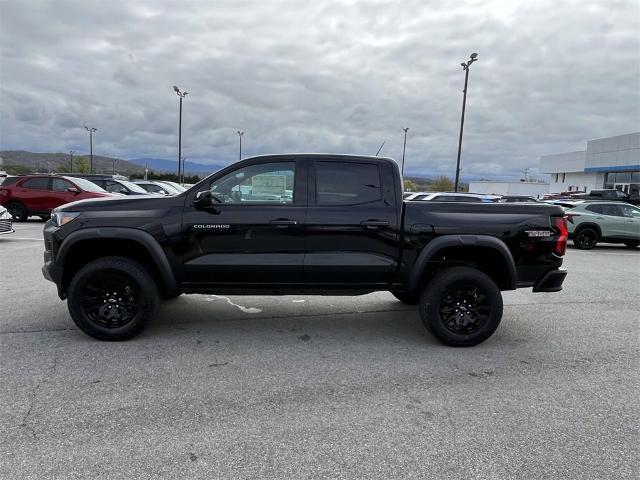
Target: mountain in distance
point(190, 168)
point(60, 162)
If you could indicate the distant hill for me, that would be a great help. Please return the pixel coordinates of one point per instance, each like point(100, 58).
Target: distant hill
point(162, 165)
point(60, 162)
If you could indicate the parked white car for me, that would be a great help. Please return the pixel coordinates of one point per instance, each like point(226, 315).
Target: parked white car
point(6, 221)
point(452, 197)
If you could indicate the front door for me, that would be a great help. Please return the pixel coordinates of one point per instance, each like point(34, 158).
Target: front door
point(352, 223)
point(632, 221)
point(253, 234)
point(623, 187)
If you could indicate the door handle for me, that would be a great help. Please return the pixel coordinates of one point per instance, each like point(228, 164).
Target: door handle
point(374, 223)
point(283, 221)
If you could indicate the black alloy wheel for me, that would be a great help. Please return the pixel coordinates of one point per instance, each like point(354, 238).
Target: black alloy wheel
point(110, 298)
point(586, 239)
point(464, 308)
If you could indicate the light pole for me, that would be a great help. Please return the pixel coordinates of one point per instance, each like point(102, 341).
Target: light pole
point(181, 180)
point(404, 147)
point(465, 67)
point(240, 134)
point(181, 95)
point(71, 152)
point(90, 130)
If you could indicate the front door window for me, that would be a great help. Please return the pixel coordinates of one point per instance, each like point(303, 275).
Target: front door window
point(261, 184)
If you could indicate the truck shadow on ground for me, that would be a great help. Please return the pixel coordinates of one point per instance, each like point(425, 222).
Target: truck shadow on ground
point(261, 317)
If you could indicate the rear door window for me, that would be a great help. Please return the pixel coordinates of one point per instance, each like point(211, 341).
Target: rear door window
point(41, 183)
point(347, 183)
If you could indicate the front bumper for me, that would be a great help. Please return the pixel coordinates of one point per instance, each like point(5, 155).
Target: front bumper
point(50, 269)
point(551, 281)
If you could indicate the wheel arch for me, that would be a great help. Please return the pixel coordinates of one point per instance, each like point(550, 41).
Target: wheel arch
point(85, 245)
point(488, 254)
point(584, 225)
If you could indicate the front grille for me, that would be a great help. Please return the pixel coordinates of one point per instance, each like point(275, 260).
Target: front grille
point(5, 225)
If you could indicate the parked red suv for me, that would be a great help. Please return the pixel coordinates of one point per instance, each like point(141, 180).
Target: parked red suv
point(39, 194)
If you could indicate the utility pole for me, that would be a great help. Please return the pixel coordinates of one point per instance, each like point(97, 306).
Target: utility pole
point(181, 95)
point(90, 130)
point(465, 67)
point(404, 147)
point(71, 152)
point(240, 134)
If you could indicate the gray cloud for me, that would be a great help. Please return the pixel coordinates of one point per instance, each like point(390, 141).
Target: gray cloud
point(320, 76)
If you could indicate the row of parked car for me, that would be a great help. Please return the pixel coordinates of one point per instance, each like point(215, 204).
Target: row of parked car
point(36, 195)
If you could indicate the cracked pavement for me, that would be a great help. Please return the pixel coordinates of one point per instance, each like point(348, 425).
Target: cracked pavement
point(322, 387)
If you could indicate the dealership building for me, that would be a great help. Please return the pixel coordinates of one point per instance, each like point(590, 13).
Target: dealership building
point(612, 162)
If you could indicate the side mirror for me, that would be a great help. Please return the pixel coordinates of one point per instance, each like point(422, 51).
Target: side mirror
point(73, 190)
point(203, 200)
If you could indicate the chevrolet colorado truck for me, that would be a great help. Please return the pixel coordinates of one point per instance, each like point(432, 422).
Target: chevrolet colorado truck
point(301, 224)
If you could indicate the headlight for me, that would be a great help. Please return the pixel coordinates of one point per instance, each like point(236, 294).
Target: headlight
point(62, 218)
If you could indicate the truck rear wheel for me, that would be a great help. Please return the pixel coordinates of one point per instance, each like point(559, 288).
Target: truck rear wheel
point(112, 298)
point(461, 306)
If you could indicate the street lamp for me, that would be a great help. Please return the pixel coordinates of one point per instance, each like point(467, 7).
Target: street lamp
point(181, 95)
point(240, 134)
point(404, 147)
point(465, 67)
point(71, 152)
point(90, 130)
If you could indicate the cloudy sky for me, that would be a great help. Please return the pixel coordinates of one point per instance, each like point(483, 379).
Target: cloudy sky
point(322, 76)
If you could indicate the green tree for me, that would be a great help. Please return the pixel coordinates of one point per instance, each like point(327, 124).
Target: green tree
point(80, 165)
point(441, 184)
point(410, 186)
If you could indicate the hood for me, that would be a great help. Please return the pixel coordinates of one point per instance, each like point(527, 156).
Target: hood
point(121, 202)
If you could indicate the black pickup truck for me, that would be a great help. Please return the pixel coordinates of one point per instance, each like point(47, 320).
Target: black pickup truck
point(301, 224)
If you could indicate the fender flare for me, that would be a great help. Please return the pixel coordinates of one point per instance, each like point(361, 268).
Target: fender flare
point(592, 225)
point(445, 241)
point(145, 239)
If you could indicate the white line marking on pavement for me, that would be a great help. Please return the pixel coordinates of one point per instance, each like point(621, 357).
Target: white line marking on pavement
point(23, 238)
point(297, 301)
point(243, 309)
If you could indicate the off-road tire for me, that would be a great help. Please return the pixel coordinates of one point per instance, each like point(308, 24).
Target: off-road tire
point(437, 296)
point(133, 274)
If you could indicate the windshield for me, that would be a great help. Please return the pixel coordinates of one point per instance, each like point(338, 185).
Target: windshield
point(133, 187)
point(86, 185)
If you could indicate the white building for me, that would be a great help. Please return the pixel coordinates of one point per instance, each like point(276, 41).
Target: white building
point(612, 162)
point(531, 189)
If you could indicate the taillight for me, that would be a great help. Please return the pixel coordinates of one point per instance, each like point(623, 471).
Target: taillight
point(563, 235)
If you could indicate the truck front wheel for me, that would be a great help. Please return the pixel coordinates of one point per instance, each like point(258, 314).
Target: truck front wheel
point(461, 306)
point(112, 298)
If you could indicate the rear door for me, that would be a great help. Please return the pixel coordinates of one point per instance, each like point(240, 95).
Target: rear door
point(34, 193)
point(352, 223)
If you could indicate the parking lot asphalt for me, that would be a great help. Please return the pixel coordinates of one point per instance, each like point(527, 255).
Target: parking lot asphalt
point(322, 387)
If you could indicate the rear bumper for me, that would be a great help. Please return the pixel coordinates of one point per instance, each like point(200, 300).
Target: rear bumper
point(551, 281)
